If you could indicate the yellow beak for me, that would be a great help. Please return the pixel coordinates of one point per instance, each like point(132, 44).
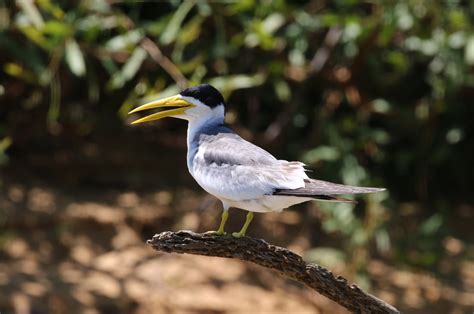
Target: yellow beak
point(173, 101)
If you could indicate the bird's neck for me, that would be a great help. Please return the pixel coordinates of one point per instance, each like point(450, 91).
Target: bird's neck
point(198, 124)
point(201, 125)
point(204, 124)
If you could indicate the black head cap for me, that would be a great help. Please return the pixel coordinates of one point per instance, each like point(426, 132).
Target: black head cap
point(206, 94)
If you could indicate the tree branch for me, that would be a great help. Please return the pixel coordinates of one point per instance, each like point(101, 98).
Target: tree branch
point(280, 259)
point(164, 62)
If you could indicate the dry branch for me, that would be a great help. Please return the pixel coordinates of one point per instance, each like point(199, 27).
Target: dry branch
point(283, 260)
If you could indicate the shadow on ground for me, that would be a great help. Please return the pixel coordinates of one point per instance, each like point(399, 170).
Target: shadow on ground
point(61, 250)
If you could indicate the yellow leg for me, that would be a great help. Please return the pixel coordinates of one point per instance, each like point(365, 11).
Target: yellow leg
point(242, 231)
point(224, 217)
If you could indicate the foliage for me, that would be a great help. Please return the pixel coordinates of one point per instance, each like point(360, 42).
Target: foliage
point(369, 93)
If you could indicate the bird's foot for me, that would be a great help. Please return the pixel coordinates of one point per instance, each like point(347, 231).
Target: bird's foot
point(242, 231)
point(219, 232)
point(238, 234)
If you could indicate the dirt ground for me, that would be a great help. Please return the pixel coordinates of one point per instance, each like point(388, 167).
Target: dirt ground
point(67, 253)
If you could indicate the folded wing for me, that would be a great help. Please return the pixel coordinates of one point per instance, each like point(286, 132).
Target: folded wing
point(230, 167)
point(324, 190)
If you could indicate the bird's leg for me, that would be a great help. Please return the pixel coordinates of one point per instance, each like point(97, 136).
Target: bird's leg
point(242, 231)
point(224, 217)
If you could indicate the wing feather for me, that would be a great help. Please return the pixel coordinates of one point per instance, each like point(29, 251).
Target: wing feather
point(315, 188)
point(232, 168)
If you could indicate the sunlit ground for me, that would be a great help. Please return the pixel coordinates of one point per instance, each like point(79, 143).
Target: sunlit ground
point(86, 251)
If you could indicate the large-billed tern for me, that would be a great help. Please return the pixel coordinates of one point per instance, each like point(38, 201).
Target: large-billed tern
point(237, 172)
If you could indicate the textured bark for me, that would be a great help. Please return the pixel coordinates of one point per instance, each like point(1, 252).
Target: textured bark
point(280, 259)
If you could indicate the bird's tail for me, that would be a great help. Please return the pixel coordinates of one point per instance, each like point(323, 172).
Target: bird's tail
point(326, 191)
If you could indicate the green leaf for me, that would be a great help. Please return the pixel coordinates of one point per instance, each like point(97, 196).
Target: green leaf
point(34, 35)
point(273, 22)
point(5, 143)
point(122, 42)
point(431, 225)
point(20, 72)
point(32, 12)
point(191, 31)
point(173, 27)
point(74, 58)
point(469, 51)
point(282, 90)
point(133, 64)
point(326, 153)
point(130, 68)
point(380, 105)
point(352, 172)
point(57, 29)
point(382, 240)
point(227, 84)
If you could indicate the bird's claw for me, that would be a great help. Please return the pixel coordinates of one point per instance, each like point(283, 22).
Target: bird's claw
point(219, 233)
point(238, 234)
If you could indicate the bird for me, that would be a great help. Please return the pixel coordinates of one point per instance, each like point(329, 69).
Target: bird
point(240, 174)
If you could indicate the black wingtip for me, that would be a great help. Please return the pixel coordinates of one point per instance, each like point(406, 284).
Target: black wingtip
point(330, 198)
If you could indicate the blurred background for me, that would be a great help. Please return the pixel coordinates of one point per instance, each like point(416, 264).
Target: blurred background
point(375, 93)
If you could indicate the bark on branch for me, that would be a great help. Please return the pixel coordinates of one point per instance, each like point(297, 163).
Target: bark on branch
point(280, 259)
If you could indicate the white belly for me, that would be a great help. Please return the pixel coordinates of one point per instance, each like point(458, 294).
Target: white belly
point(266, 203)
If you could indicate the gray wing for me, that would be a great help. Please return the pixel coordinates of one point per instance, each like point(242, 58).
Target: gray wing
point(231, 149)
point(326, 190)
point(232, 168)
